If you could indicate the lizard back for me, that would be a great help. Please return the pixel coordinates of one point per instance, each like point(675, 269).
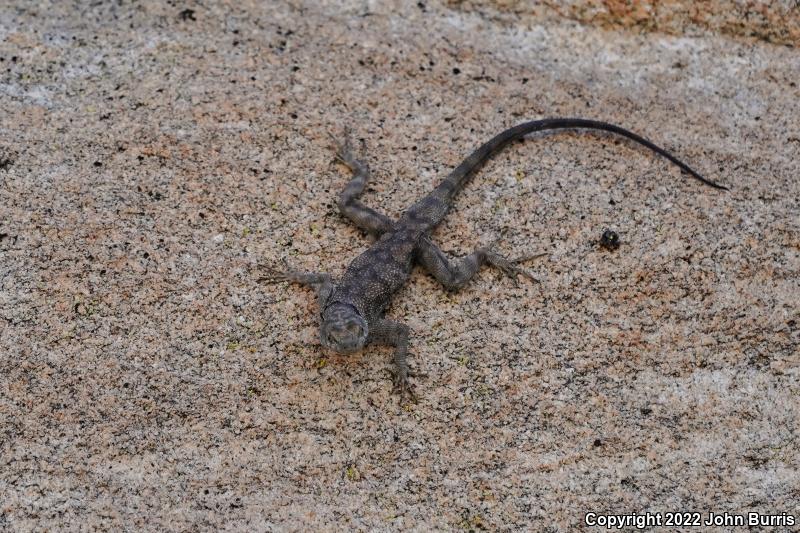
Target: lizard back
point(376, 274)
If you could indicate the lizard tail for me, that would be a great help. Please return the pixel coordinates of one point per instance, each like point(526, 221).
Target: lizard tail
point(457, 179)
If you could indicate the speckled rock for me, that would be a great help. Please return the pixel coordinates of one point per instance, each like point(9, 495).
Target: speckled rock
point(774, 21)
point(155, 156)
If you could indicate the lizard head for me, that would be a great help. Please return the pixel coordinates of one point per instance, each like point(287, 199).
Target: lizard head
point(343, 328)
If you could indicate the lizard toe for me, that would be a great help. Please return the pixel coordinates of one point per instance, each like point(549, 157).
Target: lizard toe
point(402, 386)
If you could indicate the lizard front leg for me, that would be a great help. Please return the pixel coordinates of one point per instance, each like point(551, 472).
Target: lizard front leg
point(396, 334)
point(321, 282)
point(455, 273)
point(362, 216)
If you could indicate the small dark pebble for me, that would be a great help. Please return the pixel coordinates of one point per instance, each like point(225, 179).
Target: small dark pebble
point(609, 240)
point(187, 14)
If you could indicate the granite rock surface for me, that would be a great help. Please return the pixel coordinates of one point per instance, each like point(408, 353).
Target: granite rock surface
point(154, 157)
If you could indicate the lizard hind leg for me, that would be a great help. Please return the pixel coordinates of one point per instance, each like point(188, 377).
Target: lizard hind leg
point(455, 273)
point(509, 267)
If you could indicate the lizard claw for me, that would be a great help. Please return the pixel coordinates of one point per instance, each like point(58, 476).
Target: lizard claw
point(509, 266)
point(343, 147)
point(274, 274)
point(528, 257)
point(273, 279)
point(402, 386)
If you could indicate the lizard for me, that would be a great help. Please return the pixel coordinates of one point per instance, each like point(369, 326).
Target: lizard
point(353, 309)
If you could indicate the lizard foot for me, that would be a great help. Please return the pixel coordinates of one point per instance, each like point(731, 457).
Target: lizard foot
point(509, 266)
point(402, 386)
point(344, 149)
point(274, 274)
point(278, 274)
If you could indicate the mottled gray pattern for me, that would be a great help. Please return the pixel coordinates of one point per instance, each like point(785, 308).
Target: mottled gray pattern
point(352, 310)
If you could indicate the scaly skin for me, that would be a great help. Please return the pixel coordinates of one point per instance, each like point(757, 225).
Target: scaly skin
point(353, 309)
